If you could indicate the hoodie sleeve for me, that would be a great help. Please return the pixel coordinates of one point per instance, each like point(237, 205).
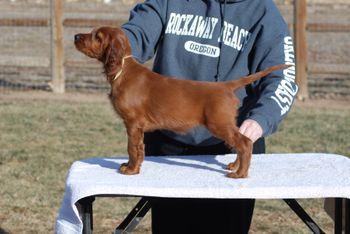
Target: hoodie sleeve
point(145, 27)
point(276, 92)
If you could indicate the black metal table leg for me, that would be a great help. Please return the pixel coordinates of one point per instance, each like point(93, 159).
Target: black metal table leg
point(87, 214)
point(294, 205)
point(338, 215)
point(134, 217)
point(347, 216)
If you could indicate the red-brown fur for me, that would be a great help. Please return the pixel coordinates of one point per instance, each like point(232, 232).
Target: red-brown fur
point(147, 101)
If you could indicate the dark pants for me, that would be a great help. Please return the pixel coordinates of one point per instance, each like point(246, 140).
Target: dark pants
point(202, 216)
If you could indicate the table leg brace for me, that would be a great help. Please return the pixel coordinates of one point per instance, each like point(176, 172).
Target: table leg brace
point(134, 217)
point(294, 205)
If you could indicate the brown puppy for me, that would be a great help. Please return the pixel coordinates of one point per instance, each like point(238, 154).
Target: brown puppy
point(147, 101)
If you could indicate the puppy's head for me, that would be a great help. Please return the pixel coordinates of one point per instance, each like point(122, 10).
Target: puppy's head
point(105, 44)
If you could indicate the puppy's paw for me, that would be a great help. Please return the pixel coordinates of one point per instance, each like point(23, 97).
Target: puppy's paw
point(124, 165)
point(233, 166)
point(126, 170)
point(236, 175)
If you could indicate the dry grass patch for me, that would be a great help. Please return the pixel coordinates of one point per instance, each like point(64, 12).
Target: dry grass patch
point(43, 134)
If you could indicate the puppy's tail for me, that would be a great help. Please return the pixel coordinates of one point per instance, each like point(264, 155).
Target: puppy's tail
point(235, 84)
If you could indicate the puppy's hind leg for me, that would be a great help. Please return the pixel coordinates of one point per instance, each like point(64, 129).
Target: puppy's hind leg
point(240, 143)
point(244, 147)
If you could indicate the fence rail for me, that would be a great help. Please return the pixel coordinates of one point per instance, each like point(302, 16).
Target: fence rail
point(25, 22)
point(77, 22)
point(327, 27)
point(301, 28)
point(69, 22)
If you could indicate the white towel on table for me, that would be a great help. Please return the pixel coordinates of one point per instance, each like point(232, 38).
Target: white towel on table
point(271, 176)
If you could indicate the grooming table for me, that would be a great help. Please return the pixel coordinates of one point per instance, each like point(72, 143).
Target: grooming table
point(271, 176)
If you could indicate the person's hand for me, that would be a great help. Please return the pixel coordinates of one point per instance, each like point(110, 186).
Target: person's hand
point(251, 129)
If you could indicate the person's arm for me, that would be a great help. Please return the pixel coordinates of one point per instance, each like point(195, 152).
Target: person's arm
point(276, 92)
point(145, 27)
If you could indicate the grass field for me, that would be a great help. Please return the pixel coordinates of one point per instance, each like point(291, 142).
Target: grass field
point(41, 134)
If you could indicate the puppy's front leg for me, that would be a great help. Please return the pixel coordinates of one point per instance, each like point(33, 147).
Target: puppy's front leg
point(135, 151)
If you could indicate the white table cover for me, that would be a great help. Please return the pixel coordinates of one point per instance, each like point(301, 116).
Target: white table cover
point(271, 176)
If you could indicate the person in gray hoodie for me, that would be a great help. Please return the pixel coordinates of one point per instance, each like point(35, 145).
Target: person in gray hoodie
point(214, 40)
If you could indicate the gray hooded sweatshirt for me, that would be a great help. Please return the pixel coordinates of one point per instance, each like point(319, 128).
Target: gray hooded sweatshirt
point(218, 40)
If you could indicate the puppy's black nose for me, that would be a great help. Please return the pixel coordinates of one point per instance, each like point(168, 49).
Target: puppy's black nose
point(77, 37)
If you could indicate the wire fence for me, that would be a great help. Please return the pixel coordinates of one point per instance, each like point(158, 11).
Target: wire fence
point(26, 48)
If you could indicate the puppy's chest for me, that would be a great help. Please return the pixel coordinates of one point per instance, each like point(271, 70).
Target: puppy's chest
point(122, 104)
point(117, 106)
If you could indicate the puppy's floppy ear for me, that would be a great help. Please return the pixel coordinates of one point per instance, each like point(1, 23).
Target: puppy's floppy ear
point(114, 55)
point(107, 54)
point(119, 47)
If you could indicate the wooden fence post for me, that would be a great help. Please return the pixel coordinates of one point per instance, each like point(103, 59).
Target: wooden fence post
point(300, 16)
point(57, 83)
